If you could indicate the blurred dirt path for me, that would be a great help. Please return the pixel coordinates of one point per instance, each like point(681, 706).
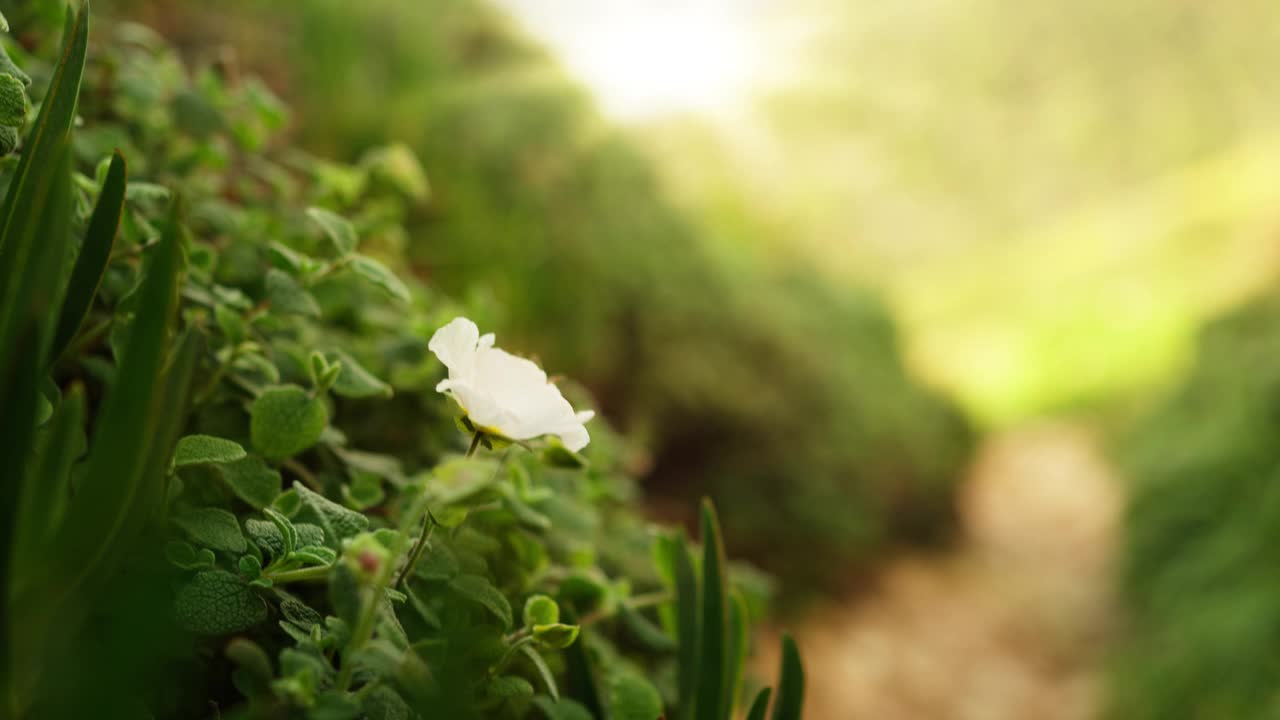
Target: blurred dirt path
point(1006, 625)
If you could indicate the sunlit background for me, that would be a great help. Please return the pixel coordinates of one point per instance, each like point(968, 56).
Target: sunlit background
point(918, 291)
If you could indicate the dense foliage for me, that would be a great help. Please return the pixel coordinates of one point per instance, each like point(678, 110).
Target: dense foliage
point(782, 397)
point(230, 486)
point(1202, 636)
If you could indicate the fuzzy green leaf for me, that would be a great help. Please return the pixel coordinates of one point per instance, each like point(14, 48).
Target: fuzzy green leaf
point(252, 480)
point(285, 420)
point(631, 697)
point(288, 297)
point(479, 590)
point(563, 709)
point(206, 450)
point(354, 380)
point(339, 230)
point(377, 274)
point(338, 522)
point(13, 101)
point(213, 528)
point(508, 687)
point(8, 67)
point(540, 610)
point(216, 602)
point(556, 636)
point(437, 563)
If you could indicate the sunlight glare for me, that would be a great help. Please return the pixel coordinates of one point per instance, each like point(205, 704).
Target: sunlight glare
point(644, 59)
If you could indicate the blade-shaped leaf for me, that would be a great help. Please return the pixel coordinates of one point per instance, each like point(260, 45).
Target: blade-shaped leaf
point(43, 499)
point(736, 654)
point(679, 561)
point(95, 253)
point(790, 683)
point(127, 423)
point(714, 611)
point(44, 145)
point(760, 706)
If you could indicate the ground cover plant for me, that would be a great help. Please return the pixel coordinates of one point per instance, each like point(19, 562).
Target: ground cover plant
point(233, 486)
point(781, 395)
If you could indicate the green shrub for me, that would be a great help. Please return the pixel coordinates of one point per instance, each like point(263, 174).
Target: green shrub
point(230, 486)
point(781, 396)
point(1202, 637)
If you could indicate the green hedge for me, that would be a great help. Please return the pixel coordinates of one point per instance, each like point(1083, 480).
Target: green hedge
point(1202, 633)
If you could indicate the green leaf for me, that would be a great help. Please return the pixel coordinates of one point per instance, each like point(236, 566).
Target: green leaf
point(213, 528)
point(556, 636)
point(712, 643)
point(479, 590)
point(544, 672)
point(338, 522)
point(128, 423)
point(251, 480)
point(43, 501)
point(250, 567)
point(354, 381)
point(48, 135)
point(216, 602)
point(288, 297)
point(540, 610)
point(339, 230)
point(8, 67)
point(285, 420)
point(760, 706)
point(365, 491)
point(648, 634)
point(344, 594)
point(13, 101)
point(563, 709)
point(790, 702)
point(377, 274)
point(556, 454)
point(206, 450)
point(4, 23)
point(676, 560)
point(631, 697)
point(253, 674)
point(95, 256)
point(437, 563)
point(508, 687)
point(736, 652)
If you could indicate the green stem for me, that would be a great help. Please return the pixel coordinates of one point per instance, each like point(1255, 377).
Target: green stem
point(319, 572)
point(636, 603)
point(428, 527)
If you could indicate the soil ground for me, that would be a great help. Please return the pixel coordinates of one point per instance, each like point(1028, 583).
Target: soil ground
point(1008, 624)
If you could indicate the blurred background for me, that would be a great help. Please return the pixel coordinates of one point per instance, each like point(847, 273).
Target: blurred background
point(963, 312)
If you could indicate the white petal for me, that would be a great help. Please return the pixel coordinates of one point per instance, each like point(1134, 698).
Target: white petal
point(575, 438)
point(487, 340)
point(455, 344)
point(586, 415)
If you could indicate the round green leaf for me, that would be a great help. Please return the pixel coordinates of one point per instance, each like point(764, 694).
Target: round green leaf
point(286, 420)
point(216, 602)
point(339, 230)
point(540, 610)
point(631, 697)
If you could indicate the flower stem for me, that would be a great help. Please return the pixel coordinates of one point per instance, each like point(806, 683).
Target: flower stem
point(319, 572)
point(428, 526)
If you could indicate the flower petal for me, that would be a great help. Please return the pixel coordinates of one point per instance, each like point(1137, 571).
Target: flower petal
point(455, 344)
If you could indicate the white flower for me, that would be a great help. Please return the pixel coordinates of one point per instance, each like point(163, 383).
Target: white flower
point(503, 394)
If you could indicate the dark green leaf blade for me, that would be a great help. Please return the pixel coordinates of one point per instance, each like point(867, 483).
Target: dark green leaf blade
point(127, 423)
point(50, 132)
point(790, 683)
point(94, 256)
point(714, 609)
point(760, 706)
